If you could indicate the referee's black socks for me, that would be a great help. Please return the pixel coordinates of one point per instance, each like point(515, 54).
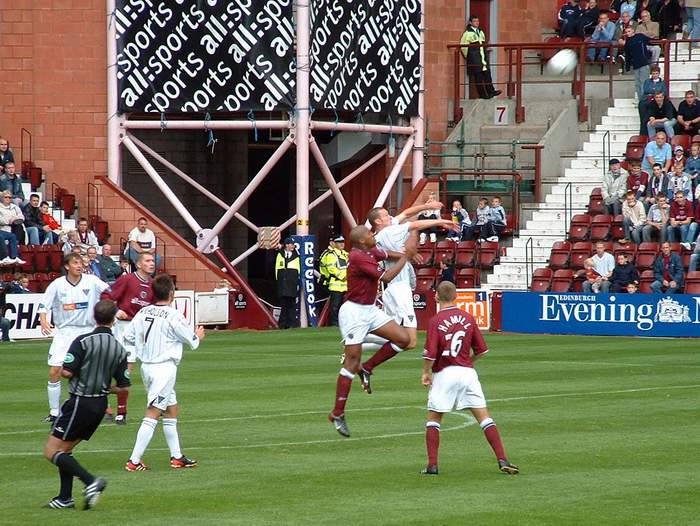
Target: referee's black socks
point(67, 463)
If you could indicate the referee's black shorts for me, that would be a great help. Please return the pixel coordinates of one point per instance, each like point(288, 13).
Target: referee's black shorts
point(80, 417)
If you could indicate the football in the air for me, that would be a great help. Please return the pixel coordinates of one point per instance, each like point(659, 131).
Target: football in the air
point(563, 63)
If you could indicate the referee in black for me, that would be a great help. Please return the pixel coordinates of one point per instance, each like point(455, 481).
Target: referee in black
point(92, 361)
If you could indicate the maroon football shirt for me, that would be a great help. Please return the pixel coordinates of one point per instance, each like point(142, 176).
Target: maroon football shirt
point(364, 272)
point(131, 293)
point(451, 334)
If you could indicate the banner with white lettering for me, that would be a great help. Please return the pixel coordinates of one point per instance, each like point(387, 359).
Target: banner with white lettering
point(365, 55)
point(306, 246)
point(23, 312)
point(195, 56)
point(676, 315)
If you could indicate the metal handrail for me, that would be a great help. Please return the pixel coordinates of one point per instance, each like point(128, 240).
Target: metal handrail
point(568, 207)
point(529, 261)
point(89, 200)
point(22, 132)
point(606, 156)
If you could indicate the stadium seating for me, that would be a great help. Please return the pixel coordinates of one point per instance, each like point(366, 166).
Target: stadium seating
point(581, 251)
point(488, 254)
point(467, 278)
point(600, 228)
point(629, 249)
point(646, 278)
point(639, 139)
point(617, 228)
point(444, 249)
point(682, 140)
point(634, 152)
point(465, 255)
point(580, 227)
point(560, 255)
point(596, 204)
point(427, 254)
point(541, 280)
point(646, 254)
point(425, 279)
point(696, 138)
point(692, 282)
point(562, 280)
point(685, 256)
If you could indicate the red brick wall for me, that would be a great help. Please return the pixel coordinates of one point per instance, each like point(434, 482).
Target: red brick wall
point(522, 21)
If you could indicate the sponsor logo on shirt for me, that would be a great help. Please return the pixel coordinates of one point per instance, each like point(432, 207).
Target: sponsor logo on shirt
point(75, 306)
point(69, 358)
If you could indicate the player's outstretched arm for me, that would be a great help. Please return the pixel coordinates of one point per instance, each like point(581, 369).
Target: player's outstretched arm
point(415, 210)
point(424, 224)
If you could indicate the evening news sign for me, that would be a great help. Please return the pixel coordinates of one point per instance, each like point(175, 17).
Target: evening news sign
point(675, 315)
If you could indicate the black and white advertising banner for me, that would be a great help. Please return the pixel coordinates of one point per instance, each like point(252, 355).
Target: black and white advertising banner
point(365, 55)
point(204, 55)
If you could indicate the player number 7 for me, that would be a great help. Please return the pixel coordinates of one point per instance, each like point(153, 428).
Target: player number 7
point(149, 320)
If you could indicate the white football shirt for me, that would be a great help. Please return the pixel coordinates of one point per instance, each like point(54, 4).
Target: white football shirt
point(145, 239)
point(158, 332)
point(73, 305)
point(394, 238)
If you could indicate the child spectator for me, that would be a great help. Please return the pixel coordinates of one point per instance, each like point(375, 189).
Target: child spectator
point(637, 180)
point(632, 288)
point(48, 219)
point(498, 215)
point(678, 156)
point(623, 274)
point(447, 270)
point(86, 237)
point(592, 277)
point(657, 220)
point(433, 213)
point(483, 221)
point(635, 217)
point(461, 217)
point(680, 182)
point(692, 164)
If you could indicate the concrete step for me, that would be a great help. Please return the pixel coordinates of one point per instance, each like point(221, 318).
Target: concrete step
point(581, 199)
point(552, 216)
point(553, 226)
point(623, 128)
point(505, 280)
point(587, 162)
point(519, 253)
point(625, 103)
point(612, 135)
point(591, 172)
point(542, 241)
point(630, 120)
point(581, 187)
point(597, 147)
point(623, 111)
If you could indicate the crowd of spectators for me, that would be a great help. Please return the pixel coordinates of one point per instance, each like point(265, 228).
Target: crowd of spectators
point(489, 221)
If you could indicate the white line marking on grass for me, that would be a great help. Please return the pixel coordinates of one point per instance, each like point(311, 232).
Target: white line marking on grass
point(620, 391)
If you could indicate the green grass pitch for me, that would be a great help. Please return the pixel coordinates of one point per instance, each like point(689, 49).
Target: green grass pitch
point(605, 431)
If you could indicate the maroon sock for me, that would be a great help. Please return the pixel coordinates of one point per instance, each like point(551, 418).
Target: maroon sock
point(432, 442)
point(386, 352)
point(342, 390)
point(121, 402)
point(491, 432)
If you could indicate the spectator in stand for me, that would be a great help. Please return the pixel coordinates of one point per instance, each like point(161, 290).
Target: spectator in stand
point(603, 263)
point(287, 269)
point(589, 16)
point(635, 57)
point(634, 219)
point(692, 9)
point(632, 288)
point(71, 241)
point(650, 6)
point(592, 283)
point(483, 220)
point(110, 270)
point(86, 237)
point(621, 36)
point(141, 239)
point(668, 271)
point(6, 154)
point(460, 216)
point(5, 324)
point(478, 68)
point(670, 18)
point(689, 113)
point(433, 213)
point(648, 27)
point(695, 257)
point(637, 181)
point(497, 215)
point(625, 7)
point(658, 185)
point(53, 227)
point(20, 285)
point(447, 270)
point(680, 182)
point(92, 264)
point(10, 180)
point(603, 32)
point(680, 221)
point(623, 274)
point(37, 231)
point(692, 164)
point(9, 215)
point(678, 156)
point(653, 85)
point(657, 220)
point(614, 187)
point(660, 114)
point(568, 16)
point(657, 151)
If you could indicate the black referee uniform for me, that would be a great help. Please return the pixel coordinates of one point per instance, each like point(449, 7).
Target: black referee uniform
point(94, 359)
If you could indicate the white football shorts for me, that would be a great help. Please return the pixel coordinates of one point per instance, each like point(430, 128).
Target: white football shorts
point(455, 387)
point(356, 321)
point(159, 380)
point(118, 329)
point(62, 339)
point(398, 303)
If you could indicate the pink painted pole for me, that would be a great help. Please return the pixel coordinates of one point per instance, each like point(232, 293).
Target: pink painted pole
point(328, 176)
point(325, 195)
point(170, 196)
point(356, 127)
point(243, 197)
point(170, 166)
point(113, 148)
point(395, 171)
point(206, 125)
point(419, 121)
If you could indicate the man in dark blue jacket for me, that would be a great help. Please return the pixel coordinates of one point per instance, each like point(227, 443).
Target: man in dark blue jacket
point(568, 18)
point(623, 274)
point(668, 271)
point(637, 58)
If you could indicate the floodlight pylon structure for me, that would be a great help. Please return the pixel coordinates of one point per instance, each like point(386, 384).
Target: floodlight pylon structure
point(299, 127)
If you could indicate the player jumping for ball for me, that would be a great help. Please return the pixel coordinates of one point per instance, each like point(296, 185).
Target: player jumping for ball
point(359, 315)
point(392, 235)
point(449, 372)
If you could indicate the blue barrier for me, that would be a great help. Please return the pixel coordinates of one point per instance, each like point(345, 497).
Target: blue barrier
point(675, 315)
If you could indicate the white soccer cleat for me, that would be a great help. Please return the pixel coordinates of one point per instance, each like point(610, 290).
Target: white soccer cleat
point(6, 261)
point(18, 261)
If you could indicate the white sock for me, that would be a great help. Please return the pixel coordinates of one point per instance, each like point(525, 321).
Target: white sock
point(54, 391)
point(143, 438)
point(170, 432)
point(372, 343)
point(371, 347)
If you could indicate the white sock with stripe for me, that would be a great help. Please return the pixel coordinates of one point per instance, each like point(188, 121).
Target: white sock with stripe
point(171, 436)
point(143, 438)
point(54, 391)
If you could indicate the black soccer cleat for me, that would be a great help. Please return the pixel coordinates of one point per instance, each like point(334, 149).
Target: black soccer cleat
point(430, 470)
point(365, 380)
point(182, 462)
point(50, 419)
point(92, 492)
point(508, 468)
point(59, 504)
point(340, 425)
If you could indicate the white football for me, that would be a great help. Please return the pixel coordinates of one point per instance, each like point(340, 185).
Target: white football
point(563, 63)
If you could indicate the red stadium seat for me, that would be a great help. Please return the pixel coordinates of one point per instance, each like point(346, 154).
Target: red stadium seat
point(41, 258)
point(68, 204)
point(427, 255)
point(617, 229)
point(467, 278)
point(581, 251)
point(696, 138)
point(685, 256)
point(692, 282)
point(676, 247)
point(646, 255)
point(597, 192)
point(444, 249)
point(560, 255)
point(682, 140)
point(55, 258)
point(634, 152)
point(580, 227)
point(562, 280)
point(629, 249)
point(425, 279)
point(34, 286)
point(466, 254)
point(488, 254)
point(8, 276)
point(639, 139)
point(646, 278)
point(596, 205)
point(600, 228)
point(541, 280)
